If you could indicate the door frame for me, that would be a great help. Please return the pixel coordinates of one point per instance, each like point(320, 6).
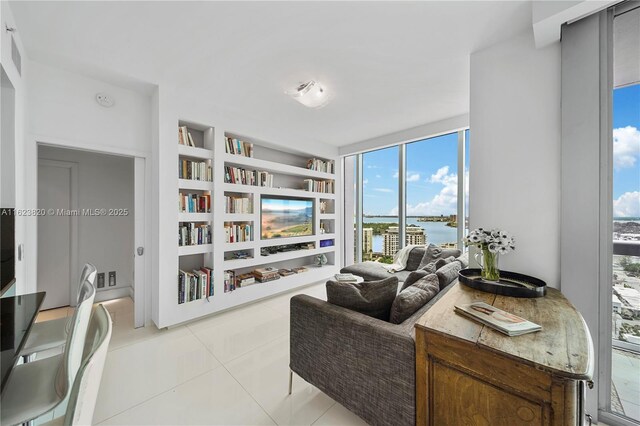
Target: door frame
point(142, 289)
point(73, 222)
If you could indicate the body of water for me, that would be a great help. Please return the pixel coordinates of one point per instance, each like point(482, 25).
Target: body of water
point(437, 232)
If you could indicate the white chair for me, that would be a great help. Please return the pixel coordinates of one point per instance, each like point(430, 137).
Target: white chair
point(52, 334)
point(38, 387)
point(84, 394)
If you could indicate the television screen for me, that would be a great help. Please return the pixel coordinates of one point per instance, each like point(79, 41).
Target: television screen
point(286, 217)
point(7, 247)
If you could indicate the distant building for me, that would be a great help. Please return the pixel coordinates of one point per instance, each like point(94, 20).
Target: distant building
point(449, 245)
point(414, 235)
point(367, 240)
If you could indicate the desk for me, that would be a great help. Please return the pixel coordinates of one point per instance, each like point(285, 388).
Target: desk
point(18, 313)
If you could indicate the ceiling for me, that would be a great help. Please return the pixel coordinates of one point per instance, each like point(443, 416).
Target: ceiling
point(387, 65)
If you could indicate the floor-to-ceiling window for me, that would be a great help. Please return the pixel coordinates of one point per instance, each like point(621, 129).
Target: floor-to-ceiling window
point(380, 204)
point(409, 194)
point(625, 282)
point(432, 191)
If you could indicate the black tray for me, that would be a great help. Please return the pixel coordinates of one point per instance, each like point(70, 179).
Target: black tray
point(511, 283)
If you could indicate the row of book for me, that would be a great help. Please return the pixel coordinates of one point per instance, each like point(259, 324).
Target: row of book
point(195, 170)
point(238, 147)
point(233, 281)
point(238, 233)
point(321, 165)
point(324, 186)
point(195, 285)
point(194, 203)
point(237, 204)
point(184, 137)
point(191, 234)
point(247, 177)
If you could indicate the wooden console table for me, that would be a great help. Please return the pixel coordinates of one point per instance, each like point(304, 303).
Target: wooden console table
point(470, 374)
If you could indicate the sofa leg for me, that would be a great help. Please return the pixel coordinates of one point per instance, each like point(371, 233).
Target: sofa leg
point(290, 381)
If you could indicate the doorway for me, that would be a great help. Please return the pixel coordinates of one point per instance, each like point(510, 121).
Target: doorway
point(91, 212)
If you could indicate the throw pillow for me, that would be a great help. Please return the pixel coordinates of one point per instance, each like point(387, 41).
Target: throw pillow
point(413, 277)
point(433, 253)
point(373, 298)
point(415, 257)
point(414, 297)
point(448, 273)
point(441, 262)
point(464, 259)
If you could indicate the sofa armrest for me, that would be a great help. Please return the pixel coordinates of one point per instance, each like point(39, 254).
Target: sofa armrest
point(366, 364)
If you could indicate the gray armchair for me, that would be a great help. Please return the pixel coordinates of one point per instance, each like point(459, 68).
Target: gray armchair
point(366, 364)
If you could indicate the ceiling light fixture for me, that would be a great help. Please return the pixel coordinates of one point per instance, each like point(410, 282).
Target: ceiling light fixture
point(310, 94)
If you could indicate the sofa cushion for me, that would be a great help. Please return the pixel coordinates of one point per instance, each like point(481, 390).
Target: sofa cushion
point(415, 257)
point(441, 262)
point(464, 259)
point(448, 273)
point(373, 298)
point(434, 252)
point(413, 298)
point(413, 277)
point(369, 271)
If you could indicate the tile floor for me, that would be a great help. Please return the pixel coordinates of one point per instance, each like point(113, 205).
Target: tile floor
point(229, 369)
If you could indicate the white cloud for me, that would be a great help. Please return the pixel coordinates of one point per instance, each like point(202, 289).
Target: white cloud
point(365, 181)
point(413, 177)
point(378, 176)
point(445, 202)
point(626, 146)
point(383, 189)
point(627, 205)
point(396, 174)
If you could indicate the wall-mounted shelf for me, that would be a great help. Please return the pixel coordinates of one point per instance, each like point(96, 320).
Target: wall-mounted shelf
point(195, 249)
point(198, 185)
point(290, 192)
point(275, 167)
point(194, 152)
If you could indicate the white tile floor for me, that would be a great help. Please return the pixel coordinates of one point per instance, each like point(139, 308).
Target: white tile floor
point(227, 369)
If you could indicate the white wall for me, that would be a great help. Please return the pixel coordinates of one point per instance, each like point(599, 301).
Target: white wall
point(104, 181)
point(18, 83)
point(62, 111)
point(515, 151)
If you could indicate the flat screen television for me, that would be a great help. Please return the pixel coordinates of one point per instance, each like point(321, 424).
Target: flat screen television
point(7, 248)
point(285, 217)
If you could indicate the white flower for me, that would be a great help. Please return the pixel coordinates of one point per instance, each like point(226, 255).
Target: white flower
point(493, 248)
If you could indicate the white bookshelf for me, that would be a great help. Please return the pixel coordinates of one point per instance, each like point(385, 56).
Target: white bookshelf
point(289, 170)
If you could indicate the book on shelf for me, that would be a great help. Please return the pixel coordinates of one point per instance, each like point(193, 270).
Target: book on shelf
point(194, 203)
point(285, 272)
point(324, 186)
point(237, 147)
point(326, 166)
point(192, 234)
point(299, 270)
point(503, 321)
point(267, 274)
point(195, 285)
point(244, 280)
point(241, 205)
point(195, 170)
point(184, 136)
point(346, 278)
point(229, 281)
point(238, 233)
point(247, 177)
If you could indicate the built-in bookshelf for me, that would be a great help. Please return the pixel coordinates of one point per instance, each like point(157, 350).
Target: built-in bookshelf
point(221, 180)
point(195, 167)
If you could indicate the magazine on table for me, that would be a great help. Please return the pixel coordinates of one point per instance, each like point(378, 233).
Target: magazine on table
point(503, 321)
point(346, 278)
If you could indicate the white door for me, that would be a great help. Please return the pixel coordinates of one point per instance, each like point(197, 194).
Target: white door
point(55, 232)
point(139, 266)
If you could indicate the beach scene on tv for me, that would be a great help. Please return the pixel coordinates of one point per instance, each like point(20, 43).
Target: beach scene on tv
point(284, 218)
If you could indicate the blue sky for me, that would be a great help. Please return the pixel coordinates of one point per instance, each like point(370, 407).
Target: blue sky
point(626, 151)
point(431, 178)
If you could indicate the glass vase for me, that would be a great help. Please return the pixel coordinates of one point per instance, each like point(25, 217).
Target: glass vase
point(489, 265)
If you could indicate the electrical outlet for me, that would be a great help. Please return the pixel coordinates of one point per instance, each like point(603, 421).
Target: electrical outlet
point(101, 280)
point(112, 278)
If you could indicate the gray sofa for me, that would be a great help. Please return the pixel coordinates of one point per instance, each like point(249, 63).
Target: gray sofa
point(372, 271)
point(366, 364)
